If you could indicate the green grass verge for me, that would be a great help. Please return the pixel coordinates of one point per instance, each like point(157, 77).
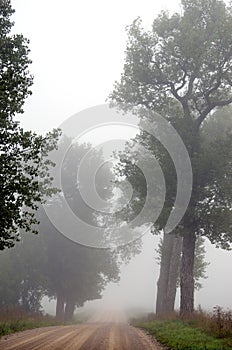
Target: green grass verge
point(178, 335)
point(8, 327)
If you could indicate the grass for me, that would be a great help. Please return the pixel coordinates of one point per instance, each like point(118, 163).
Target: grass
point(15, 320)
point(179, 335)
point(200, 331)
point(13, 326)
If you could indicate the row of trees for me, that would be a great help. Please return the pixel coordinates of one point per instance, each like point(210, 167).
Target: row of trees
point(181, 69)
point(50, 264)
point(45, 264)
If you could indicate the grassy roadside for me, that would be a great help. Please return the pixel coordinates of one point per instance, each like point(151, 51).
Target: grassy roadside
point(17, 325)
point(13, 319)
point(179, 335)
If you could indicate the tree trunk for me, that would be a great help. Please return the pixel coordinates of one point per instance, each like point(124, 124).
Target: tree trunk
point(69, 310)
point(190, 227)
point(187, 275)
point(164, 274)
point(174, 273)
point(60, 308)
point(169, 270)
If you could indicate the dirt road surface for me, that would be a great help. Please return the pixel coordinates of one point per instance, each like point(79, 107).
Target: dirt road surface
point(102, 332)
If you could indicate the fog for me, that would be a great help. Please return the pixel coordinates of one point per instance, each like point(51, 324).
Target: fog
point(137, 287)
point(77, 50)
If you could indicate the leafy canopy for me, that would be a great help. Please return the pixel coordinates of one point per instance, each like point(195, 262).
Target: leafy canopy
point(182, 67)
point(24, 166)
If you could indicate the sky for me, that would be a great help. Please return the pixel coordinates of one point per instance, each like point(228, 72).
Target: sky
point(77, 49)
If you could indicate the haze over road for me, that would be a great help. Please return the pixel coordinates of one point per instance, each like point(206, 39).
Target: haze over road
point(102, 332)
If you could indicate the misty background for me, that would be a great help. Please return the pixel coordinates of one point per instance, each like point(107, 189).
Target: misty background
point(77, 49)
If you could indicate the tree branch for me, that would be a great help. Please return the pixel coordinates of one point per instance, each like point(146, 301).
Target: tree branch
point(210, 91)
point(183, 79)
point(204, 114)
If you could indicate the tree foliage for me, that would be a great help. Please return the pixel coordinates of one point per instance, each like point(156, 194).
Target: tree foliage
point(182, 66)
point(51, 264)
point(22, 274)
point(24, 166)
point(181, 69)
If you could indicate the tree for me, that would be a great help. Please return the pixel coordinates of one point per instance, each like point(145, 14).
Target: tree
point(22, 279)
point(200, 264)
point(169, 258)
point(51, 265)
point(169, 255)
point(74, 273)
point(169, 250)
point(24, 166)
point(96, 267)
point(182, 70)
point(213, 208)
point(214, 182)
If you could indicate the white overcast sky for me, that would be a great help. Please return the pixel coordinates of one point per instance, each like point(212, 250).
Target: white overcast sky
point(77, 48)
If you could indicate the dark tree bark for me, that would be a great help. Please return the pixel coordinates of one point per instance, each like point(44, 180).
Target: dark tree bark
point(164, 274)
point(189, 237)
point(69, 310)
point(60, 307)
point(187, 275)
point(174, 272)
point(169, 270)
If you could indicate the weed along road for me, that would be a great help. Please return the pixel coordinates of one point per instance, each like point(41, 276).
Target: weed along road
point(97, 334)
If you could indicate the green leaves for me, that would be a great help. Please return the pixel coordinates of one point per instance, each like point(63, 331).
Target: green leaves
point(24, 179)
point(185, 59)
point(24, 166)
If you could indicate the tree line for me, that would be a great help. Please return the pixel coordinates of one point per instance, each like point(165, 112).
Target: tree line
point(180, 69)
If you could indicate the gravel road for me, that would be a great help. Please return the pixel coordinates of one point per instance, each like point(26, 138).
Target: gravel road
point(101, 332)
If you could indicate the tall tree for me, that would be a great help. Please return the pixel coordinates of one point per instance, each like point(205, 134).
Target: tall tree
point(182, 70)
point(169, 258)
point(214, 214)
point(169, 254)
point(171, 247)
point(76, 273)
point(23, 154)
